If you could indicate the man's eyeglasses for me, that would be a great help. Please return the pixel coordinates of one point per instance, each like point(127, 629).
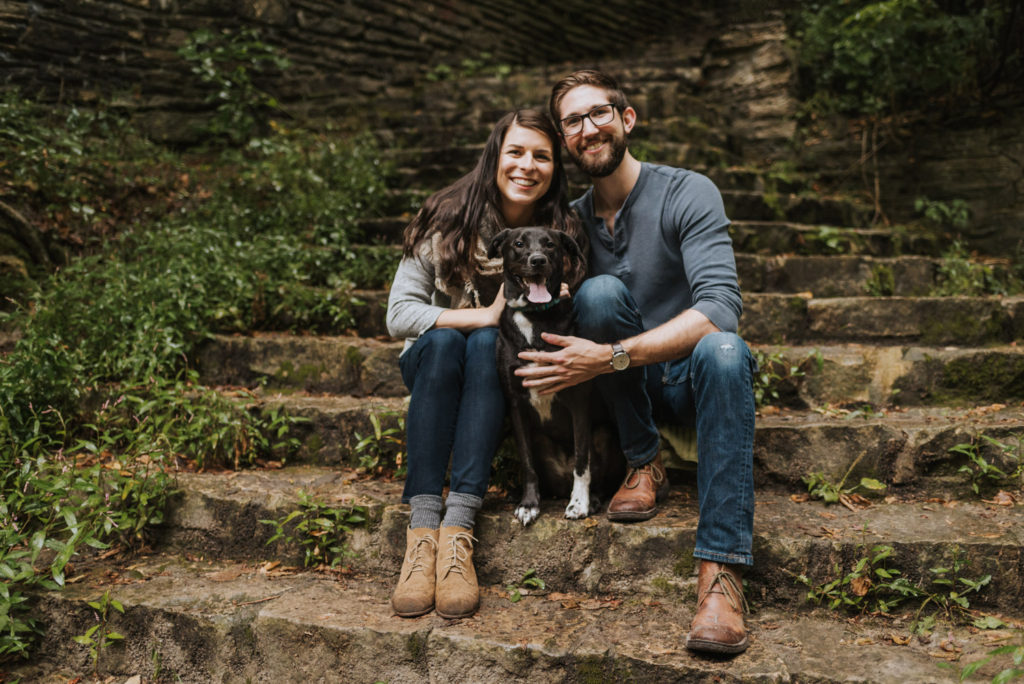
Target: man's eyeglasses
point(599, 116)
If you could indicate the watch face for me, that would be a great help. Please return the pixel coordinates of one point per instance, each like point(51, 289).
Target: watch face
point(620, 361)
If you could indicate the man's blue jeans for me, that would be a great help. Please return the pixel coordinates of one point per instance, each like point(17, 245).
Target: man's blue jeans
point(456, 410)
point(711, 390)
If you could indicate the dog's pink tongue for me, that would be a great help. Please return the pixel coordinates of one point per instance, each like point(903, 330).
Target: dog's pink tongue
point(538, 294)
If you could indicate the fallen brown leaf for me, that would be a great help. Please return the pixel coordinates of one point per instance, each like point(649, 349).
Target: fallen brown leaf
point(1002, 499)
point(799, 498)
point(898, 639)
point(269, 565)
point(864, 641)
point(557, 596)
point(860, 586)
point(226, 575)
point(597, 604)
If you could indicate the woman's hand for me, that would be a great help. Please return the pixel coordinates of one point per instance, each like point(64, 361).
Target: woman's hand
point(496, 307)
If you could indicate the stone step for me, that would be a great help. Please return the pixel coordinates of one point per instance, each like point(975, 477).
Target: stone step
point(785, 237)
point(745, 205)
point(235, 622)
point(927, 321)
point(804, 376)
point(754, 237)
point(838, 275)
point(906, 446)
point(217, 516)
point(855, 375)
point(800, 318)
point(345, 365)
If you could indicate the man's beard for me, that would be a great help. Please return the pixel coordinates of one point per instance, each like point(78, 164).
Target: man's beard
point(596, 168)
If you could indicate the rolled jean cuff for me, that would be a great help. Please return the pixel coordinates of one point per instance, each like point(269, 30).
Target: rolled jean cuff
point(642, 460)
point(725, 558)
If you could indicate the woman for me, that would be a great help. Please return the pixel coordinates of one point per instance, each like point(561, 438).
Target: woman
point(446, 300)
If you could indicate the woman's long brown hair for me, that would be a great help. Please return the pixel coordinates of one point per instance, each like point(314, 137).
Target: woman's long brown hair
point(458, 211)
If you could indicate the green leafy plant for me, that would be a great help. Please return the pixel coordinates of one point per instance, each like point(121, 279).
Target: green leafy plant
point(383, 449)
point(99, 398)
point(832, 240)
point(821, 487)
point(865, 57)
point(948, 592)
point(528, 581)
point(870, 584)
point(1007, 674)
point(231, 64)
point(320, 530)
point(982, 472)
point(775, 373)
point(873, 584)
point(960, 275)
point(882, 282)
point(955, 215)
point(100, 636)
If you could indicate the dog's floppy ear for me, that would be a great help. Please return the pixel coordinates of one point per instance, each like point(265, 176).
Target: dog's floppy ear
point(494, 249)
point(571, 249)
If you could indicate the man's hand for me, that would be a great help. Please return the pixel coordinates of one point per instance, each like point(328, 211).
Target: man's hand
point(577, 361)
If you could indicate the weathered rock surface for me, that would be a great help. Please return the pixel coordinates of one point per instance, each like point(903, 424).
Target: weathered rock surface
point(236, 622)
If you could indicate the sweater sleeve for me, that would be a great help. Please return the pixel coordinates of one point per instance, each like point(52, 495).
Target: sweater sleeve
point(708, 255)
point(411, 311)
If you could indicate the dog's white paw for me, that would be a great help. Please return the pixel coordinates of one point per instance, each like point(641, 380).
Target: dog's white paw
point(527, 514)
point(576, 510)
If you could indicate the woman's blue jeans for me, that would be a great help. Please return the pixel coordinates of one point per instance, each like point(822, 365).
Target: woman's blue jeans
point(456, 410)
point(711, 390)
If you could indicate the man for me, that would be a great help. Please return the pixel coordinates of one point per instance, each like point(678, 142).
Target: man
point(657, 324)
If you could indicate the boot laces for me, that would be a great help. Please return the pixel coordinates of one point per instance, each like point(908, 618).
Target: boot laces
point(633, 476)
point(419, 553)
point(724, 583)
point(458, 554)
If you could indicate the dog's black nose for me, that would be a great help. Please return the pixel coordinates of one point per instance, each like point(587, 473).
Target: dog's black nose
point(538, 260)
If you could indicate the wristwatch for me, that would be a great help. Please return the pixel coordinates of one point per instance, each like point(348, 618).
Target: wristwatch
point(620, 357)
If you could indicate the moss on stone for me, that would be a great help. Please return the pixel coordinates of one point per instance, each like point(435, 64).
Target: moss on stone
point(684, 566)
point(987, 378)
point(416, 645)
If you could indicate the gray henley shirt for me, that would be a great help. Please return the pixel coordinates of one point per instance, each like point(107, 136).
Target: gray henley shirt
point(671, 247)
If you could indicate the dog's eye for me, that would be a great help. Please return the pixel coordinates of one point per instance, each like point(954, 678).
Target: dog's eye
point(518, 243)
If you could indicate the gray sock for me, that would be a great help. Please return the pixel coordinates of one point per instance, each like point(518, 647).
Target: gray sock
point(460, 510)
point(426, 511)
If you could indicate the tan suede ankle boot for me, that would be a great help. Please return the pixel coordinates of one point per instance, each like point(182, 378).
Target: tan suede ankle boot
point(458, 595)
point(414, 594)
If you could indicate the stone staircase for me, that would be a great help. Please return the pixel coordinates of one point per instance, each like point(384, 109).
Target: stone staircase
point(868, 386)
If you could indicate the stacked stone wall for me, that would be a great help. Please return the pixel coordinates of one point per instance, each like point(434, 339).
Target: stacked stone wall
point(344, 53)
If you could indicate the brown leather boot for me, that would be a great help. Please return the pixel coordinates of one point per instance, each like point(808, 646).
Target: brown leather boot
point(458, 595)
point(638, 497)
point(718, 626)
point(414, 594)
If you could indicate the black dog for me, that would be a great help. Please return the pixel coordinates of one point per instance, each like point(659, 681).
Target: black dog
point(549, 427)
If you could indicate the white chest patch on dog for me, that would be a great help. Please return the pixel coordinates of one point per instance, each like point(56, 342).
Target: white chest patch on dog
point(524, 325)
point(541, 403)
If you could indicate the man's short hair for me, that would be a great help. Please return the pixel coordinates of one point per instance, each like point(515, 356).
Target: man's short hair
point(590, 77)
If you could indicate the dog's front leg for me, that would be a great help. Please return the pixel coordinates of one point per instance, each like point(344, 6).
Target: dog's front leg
point(579, 501)
point(529, 504)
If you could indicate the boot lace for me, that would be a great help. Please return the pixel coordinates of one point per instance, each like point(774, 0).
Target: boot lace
point(458, 554)
point(419, 553)
point(727, 585)
point(633, 476)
